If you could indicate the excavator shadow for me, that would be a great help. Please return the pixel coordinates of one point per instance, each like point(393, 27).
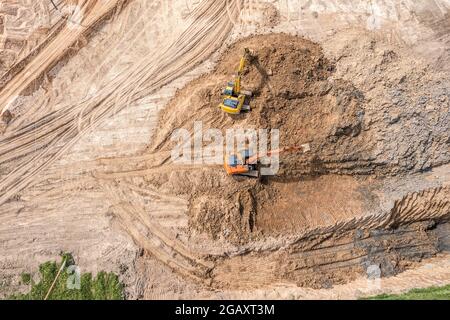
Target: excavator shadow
point(265, 80)
point(314, 172)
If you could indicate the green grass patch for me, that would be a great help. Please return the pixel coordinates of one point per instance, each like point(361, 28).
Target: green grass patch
point(69, 285)
point(26, 278)
point(431, 293)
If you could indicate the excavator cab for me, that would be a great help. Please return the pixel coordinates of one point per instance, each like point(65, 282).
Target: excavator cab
point(239, 164)
point(229, 90)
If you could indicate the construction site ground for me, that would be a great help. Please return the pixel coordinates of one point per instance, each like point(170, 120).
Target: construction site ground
point(92, 90)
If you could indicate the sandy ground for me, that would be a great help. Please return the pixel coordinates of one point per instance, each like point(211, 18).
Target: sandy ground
point(73, 154)
point(23, 27)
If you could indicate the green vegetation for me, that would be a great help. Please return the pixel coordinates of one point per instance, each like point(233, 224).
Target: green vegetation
point(26, 278)
point(432, 293)
point(105, 286)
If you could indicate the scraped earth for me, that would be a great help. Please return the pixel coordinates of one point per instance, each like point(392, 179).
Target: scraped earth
point(86, 156)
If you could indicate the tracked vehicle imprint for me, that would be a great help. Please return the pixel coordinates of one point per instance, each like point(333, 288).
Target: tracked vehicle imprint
point(321, 168)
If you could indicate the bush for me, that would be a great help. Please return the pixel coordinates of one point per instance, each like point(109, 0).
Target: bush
point(105, 286)
point(432, 293)
point(26, 278)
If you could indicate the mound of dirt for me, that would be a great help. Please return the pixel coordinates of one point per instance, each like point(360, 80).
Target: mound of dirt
point(293, 92)
point(289, 78)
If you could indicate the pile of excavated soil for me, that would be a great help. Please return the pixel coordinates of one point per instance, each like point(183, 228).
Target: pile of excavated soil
point(292, 93)
point(290, 79)
point(297, 91)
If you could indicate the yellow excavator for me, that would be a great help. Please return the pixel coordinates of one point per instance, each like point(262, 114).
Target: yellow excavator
point(245, 164)
point(234, 99)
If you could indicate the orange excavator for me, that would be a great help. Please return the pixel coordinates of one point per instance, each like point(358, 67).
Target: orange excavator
point(245, 164)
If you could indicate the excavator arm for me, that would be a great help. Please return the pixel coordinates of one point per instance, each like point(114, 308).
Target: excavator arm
point(237, 82)
point(246, 57)
point(234, 98)
point(244, 165)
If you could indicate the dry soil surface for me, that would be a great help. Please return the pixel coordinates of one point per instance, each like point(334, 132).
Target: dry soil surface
point(91, 92)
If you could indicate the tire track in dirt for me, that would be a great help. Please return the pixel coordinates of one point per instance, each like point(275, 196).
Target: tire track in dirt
point(317, 257)
point(26, 27)
point(435, 272)
point(339, 253)
point(90, 12)
point(153, 237)
point(42, 142)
